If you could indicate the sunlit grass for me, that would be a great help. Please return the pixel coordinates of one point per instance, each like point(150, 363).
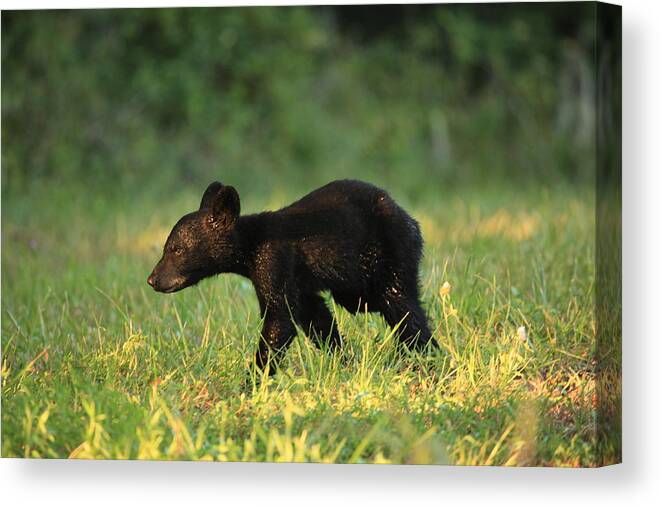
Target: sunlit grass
point(96, 365)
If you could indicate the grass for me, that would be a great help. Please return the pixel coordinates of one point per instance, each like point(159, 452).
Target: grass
point(96, 365)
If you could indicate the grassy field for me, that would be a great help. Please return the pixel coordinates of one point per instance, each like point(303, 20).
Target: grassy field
point(97, 365)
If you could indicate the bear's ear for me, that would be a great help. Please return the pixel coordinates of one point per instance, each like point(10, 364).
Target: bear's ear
point(210, 193)
point(226, 207)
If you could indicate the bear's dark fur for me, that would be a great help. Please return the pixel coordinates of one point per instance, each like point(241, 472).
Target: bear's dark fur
point(347, 237)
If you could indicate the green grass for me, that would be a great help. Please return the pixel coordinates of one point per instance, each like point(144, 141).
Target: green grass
point(96, 365)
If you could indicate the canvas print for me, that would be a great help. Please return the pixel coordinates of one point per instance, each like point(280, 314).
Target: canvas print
point(334, 234)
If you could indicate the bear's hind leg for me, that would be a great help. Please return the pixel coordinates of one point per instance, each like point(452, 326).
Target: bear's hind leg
point(408, 314)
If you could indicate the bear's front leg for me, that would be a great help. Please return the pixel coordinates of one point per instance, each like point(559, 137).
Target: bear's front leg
point(277, 333)
point(278, 295)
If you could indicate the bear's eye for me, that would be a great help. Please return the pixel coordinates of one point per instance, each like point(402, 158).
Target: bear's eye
point(178, 250)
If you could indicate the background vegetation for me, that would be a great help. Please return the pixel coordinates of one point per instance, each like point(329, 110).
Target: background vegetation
point(478, 119)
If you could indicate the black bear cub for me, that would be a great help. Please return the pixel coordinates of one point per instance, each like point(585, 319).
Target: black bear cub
point(347, 237)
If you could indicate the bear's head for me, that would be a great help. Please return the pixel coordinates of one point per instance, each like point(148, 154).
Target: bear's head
point(202, 243)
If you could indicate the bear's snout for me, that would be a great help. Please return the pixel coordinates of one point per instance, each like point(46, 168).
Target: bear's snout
point(164, 281)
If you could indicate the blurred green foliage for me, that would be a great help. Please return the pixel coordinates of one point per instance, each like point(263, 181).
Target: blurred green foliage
point(155, 98)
